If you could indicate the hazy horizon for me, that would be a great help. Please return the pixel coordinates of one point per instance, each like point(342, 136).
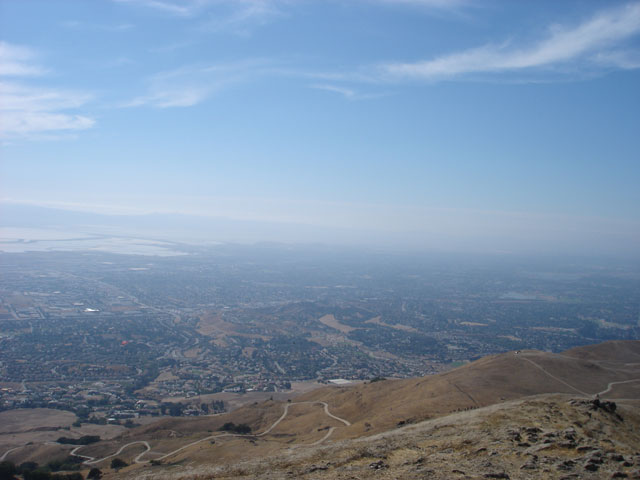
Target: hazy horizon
point(435, 125)
point(23, 226)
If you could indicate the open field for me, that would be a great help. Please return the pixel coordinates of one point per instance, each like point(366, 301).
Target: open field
point(331, 321)
point(24, 420)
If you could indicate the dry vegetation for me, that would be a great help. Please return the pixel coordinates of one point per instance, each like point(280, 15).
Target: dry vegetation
point(429, 427)
point(518, 439)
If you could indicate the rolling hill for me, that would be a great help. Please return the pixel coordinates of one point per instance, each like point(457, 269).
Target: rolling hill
point(468, 417)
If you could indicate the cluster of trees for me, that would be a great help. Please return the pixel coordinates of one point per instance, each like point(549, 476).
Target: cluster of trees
point(173, 409)
point(31, 471)
point(84, 440)
point(242, 429)
point(217, 406)
point(69, 463)
point(118, 463)
point(377, 379)
point(177, 409)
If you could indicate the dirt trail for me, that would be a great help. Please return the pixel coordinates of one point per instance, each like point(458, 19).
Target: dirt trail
point(138, 459)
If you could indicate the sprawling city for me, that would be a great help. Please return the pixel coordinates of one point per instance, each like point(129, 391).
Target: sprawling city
point(116, 337)
point(319, 239)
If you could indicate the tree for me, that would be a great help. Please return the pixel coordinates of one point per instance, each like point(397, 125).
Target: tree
point(118, 463)
point(228, 427)
point(7, 470)
point(27, 467)
point(37, 474)
point(94, 474)
point(243, 429)
point(67, 476)
point(175, 409)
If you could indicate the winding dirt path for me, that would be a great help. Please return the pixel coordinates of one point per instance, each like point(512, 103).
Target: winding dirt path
point(8, 452)
point(603, 392)
point(611, 384)
point(93, 460)
point(138, 459)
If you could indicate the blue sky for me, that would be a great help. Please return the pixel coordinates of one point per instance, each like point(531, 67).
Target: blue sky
point(495, 125)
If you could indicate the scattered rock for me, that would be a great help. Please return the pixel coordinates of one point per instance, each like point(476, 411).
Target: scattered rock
point(619, 475)
point(496, 475)
point(585, 448)
point(315, 468)
point(596, 457)
point(514, 435)
point(566, 465)
point(592, 467)
point(570, 444)
point(597, 404)
point(531, 464)
point(538, 448)
point(378, 465)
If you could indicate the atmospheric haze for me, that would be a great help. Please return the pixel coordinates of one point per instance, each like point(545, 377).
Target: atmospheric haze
point(488, 127)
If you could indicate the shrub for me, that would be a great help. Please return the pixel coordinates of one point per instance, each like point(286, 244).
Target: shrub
point(118, 463)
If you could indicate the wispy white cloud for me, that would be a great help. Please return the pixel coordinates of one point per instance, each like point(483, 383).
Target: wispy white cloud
point(185, 96)
point(27, 111)
point(191, 85)
point(17, 60)
point(344, 91)
point(591, 41)
point(30, 111)
point(230, 16)
point(623, 59)
point(242, 16)
point(184, 8)
point(439, 4)
point(76, 25)
point(347, 92)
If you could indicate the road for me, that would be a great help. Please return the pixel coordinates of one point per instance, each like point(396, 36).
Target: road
point(603, 392)
point(8, 452)
point(93, 460)
point(138, 459)
point(611, 384)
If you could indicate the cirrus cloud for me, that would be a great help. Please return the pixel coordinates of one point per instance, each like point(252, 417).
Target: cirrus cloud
point(28, 111)
point(17, 60)
point(597, 38)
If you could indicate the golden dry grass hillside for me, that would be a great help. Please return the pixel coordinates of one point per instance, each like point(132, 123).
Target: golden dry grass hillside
point(379, 406)
point(553, 437)
point(316, 420)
